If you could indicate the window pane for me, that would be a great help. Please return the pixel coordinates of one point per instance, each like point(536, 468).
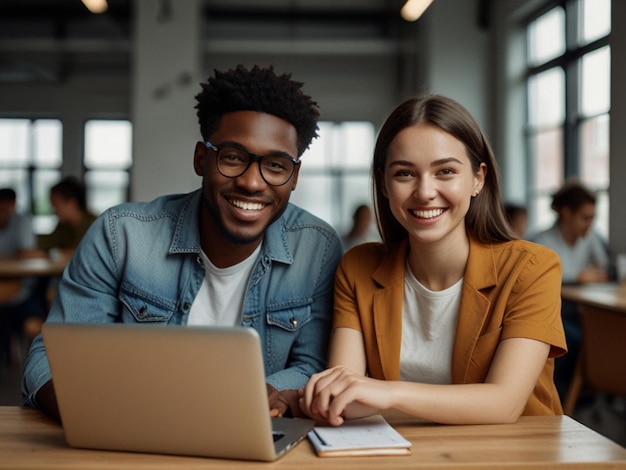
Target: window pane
point(596, 19)
point(544, 215)
point(14, 140)
point(596, 88)
point(547, 98)
point(43, 180)
point(601, 222)
point(546, 37)
point(47, 142)
point(314, 193)
point(594, 151)
point(108, 144)
point(106, 189)
point(320, 151)
point(356, 144)
point(548, 164)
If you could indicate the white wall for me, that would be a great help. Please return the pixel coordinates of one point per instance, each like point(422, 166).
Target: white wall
point(458, 56)
point(165, 76)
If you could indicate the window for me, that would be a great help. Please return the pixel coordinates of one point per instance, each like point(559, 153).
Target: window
point(335, 173)
point(30, 163)
point(108, 159)
point(568, 88)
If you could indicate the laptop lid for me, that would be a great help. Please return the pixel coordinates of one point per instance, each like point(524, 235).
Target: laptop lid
point(166, 389)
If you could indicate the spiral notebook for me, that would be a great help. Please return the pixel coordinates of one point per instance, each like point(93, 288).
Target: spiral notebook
point(359, 437)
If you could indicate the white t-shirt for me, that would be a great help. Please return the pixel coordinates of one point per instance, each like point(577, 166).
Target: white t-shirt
point(429, 320)
point(220, 298)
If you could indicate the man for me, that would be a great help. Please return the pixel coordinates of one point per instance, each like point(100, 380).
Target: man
point(234, 252)
point(584, 258)
point(16, 231)
point(17, 299)
point(69, 201)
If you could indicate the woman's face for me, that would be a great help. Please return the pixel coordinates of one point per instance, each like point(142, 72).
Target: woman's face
point(429, 181)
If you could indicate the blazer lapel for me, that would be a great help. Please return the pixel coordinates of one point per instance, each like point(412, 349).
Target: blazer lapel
point(480, 273)
point(387, 307)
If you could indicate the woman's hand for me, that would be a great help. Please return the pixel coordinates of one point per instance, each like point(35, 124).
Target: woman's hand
point(337, 393)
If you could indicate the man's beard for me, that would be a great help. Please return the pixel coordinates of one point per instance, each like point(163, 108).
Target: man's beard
point(232, 237)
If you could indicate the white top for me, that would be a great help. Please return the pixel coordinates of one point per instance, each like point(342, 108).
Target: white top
point(587, 251)
point(429, 321)
point(220, 298)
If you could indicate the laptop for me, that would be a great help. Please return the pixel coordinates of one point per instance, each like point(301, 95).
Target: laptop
point(166, 389)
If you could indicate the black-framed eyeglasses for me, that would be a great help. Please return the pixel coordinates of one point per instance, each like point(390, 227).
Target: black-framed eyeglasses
point(232, 162)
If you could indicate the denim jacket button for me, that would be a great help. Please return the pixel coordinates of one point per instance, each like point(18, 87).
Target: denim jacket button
point(294, 322)
point(142, 312)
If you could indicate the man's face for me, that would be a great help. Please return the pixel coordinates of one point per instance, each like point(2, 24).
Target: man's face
point(238, 210)
point(63, 207)
point(581, 220)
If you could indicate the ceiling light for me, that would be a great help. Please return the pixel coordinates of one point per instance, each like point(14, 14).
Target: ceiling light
point(413, 9)
point(96, 6)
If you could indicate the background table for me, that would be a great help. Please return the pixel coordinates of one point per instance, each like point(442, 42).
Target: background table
point(29, 439)
point(600, 364)
point(18, 268)
point(609, 296)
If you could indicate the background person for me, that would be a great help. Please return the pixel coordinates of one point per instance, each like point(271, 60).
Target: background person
point(517, 216)
point(584, 258)
point(68, 198)
point(234, 252)
point(450, 319)
point(69, 201)
point(360, 232)
point(17, 296)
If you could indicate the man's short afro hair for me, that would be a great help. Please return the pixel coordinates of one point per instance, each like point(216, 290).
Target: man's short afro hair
point(257, 89)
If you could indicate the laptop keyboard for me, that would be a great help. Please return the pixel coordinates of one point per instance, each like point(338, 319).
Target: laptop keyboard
point(278, 435)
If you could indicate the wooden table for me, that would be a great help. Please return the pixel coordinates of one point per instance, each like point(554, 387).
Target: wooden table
point(609, 296)
point(29, 439)
point(18, 268)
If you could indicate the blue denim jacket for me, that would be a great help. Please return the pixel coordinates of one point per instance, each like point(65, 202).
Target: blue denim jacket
point(140, 263)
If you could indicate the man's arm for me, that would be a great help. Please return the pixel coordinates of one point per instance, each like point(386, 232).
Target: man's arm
point(308, 354)
point(87, 293)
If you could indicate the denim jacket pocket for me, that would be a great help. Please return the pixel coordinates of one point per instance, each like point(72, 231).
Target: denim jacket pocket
point(144, 306)
point(290, 316)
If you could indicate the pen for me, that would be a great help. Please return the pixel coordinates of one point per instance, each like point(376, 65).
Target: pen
point(321, 439)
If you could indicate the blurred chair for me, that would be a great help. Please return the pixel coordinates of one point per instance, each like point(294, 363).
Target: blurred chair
point(9, 288)
point(601, 363)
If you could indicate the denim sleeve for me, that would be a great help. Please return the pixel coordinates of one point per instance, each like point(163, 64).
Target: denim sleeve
point(87, 293)
point(309, 352)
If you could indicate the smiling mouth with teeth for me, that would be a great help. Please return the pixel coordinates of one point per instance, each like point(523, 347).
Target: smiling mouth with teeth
point(428, 214)
point(247, 206)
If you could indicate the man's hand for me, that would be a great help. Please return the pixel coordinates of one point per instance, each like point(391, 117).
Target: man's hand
point(47, 399)
point(283, 403)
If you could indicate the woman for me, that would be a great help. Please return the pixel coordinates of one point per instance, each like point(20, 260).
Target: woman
point(449, 319)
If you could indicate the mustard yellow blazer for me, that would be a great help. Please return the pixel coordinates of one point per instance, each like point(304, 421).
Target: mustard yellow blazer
point(510, 290)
